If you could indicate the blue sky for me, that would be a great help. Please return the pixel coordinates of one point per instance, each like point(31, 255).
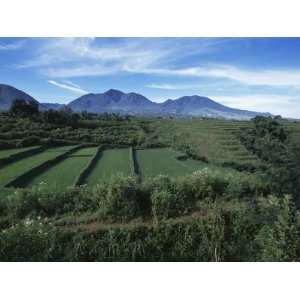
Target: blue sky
point(261, 74)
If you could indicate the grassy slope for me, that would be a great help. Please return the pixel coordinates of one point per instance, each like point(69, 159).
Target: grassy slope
point(15, 169)
point(8, 152)
point(111, 162)
point(214, 139)
point(64, 174)
point(163, 161)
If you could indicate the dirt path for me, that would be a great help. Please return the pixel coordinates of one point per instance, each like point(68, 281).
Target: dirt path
point(94, 226)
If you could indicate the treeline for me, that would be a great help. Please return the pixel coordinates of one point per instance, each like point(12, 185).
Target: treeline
point(24, 125)
point(270, 140)
point(62, 116)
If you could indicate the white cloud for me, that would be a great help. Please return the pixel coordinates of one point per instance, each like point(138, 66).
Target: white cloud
point(249, 77)
point(79, 57)
point(84, 51)
point(91, 57)
point(72, 84)
point(80, 71)
point(70, 87)
point(286, 106)
point(169, 86)
point(12, 46)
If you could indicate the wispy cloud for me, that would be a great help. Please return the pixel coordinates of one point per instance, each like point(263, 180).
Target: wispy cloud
point(71, 87)
point(80, 71)
point(287, 106)
point(12, 46)
point(250, 77)
point(81, 57)
point(75, 57)
point(171, 86)
point(69, 82)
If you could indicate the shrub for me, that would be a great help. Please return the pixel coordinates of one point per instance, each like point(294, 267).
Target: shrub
point(22, 203)
point(41, 201)
point(163, 204)
point(30, 241)
point(118, 198)
point(169, 197)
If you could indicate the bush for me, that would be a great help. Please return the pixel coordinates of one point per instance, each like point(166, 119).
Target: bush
point(22, 203)
point(169, 197)
point(41, 201)
point(29, 141)
point(118, 198)
point(30, 241)
point(163, 204)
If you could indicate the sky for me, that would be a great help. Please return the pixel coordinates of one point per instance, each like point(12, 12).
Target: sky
point(260, 74)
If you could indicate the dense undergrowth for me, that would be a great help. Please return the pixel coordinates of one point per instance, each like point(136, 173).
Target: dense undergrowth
point(200, 217)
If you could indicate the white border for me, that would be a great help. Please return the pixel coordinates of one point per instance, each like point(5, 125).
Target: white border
point(149, 18)
point(149, 281)
point(153, 281)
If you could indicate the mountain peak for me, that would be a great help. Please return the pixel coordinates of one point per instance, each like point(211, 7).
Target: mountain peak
point(114, 94)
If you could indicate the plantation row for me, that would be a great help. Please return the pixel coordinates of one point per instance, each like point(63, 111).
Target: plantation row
point(214, 140)
point(61, 167)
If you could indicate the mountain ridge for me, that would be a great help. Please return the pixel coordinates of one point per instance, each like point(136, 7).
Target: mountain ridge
point(116, 101)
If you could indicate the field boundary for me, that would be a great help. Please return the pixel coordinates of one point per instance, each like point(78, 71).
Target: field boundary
point(81, 178)
point(134, 165)
point(23, 179)
point(95, 225)
point(20, 155)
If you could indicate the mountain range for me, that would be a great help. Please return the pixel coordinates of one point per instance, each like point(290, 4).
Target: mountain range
point(115, 101)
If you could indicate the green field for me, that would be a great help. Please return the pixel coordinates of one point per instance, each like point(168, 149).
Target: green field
point(214, 139)
point(111, 162)
point(11, 171)
point(153, 162)
point(8, 152)
point(65, 173)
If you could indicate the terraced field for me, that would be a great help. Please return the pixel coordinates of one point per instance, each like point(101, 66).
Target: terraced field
point(65, 173)
point(8, 152)
point(111, 162)
point(214, 139)
point(162, 161)
point(11, 171)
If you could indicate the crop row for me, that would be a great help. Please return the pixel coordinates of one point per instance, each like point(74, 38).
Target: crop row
point(73, 166)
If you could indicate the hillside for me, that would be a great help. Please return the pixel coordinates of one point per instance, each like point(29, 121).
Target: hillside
point(136, 104)
point(9, 94)
point(114, 101)
point(206, 107)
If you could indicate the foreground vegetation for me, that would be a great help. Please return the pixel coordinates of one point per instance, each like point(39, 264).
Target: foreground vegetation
point(117, 188)
point(201, 217)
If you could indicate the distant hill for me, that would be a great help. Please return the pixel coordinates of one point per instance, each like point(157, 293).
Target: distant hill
point(206, 107)
point(136, 104)
point(9, 94)
point(114, 101)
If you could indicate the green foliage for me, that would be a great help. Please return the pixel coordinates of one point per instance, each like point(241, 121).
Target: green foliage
point(272, 142)
point(24, 108)
point(266, 230)
point(118, 198)
point(213, 214)
point(42, 201)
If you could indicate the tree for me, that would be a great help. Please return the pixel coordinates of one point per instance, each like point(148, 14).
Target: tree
point(270, 141)
point(23, 108)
